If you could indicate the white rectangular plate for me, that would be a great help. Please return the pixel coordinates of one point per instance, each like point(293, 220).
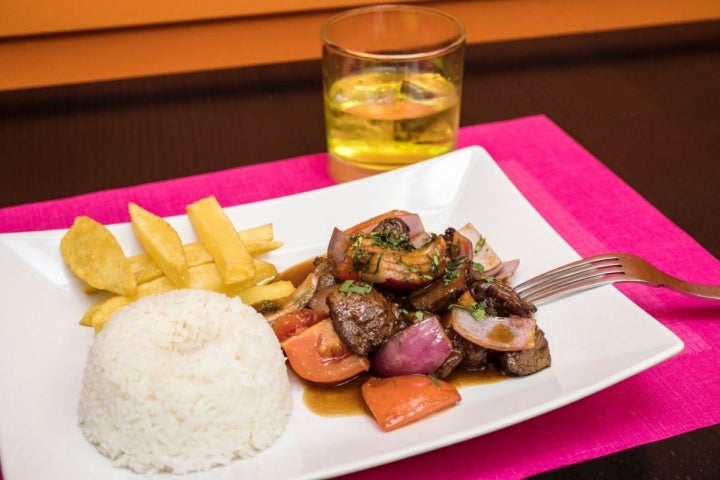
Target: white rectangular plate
point(43, 349)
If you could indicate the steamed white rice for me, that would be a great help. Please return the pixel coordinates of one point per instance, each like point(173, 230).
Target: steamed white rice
point(184, 381)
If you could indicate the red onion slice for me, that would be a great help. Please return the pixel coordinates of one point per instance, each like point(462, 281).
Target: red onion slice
point(298, 299)
point(420, 348)
point(337, 246)
point(504, 334)
point(482, 251)
point(503, 271)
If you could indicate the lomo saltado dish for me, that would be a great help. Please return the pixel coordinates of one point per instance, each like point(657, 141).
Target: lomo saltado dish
point(408, 307)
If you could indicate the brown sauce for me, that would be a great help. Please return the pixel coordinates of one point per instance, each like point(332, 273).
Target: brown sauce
point(298, 272)
point(336, 400)
point(465, 378)
point(500, 333)
point(346, 399)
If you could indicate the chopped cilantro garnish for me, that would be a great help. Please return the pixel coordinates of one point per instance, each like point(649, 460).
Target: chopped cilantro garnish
point(390, 239)
point(479, 245)
point(451, 270)
point(351, 286)
point(477, 309)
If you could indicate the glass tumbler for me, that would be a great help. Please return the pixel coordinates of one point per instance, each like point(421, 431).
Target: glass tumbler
point(392, 83)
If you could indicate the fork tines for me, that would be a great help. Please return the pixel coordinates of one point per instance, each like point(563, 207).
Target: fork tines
point(572, 277)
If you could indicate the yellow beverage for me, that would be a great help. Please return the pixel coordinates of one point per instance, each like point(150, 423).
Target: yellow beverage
point(382, 120)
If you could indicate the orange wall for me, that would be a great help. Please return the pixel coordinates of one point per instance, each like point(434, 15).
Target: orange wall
point(31, 17)
point(86, 53)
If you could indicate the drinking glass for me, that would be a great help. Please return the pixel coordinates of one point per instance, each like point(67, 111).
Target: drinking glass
point(392, 83)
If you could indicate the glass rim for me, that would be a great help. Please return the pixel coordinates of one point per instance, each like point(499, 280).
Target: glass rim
point(458, 42)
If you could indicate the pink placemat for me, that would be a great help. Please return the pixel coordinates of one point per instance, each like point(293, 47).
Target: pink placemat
point(593, 210)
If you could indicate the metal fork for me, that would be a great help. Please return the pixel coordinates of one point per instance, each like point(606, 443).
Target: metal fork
point(601, 270)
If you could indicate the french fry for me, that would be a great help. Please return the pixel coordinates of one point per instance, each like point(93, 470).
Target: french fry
point(95, 256)
point(264, 271)
point(205, 276)
point(97, 315)
point(258, 247)
point(219, 236)
point(100, 313)
point(162, 243)
point(258, 240)
point(271, 291)
point(86, 320)
point(196, 254)
point(200, 277)
point(208, 277)
point(223, 260)
point(259, 233)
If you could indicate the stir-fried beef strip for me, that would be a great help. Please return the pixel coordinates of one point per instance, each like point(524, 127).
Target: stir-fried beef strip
point(475, 357)
point(464, 354)
point(451, 362)
point(393, 231)
point(501, 299)
point(364, 321)
point(326, 283)
point(448, 234)
point(443, 292)
point(526, 362)
point(323, 269)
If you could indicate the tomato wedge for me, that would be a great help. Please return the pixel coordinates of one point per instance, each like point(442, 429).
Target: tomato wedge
point(292, 323)
point(318, 355)
point(398, 401)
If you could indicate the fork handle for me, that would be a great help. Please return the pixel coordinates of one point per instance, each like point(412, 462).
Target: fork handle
point(697, 290)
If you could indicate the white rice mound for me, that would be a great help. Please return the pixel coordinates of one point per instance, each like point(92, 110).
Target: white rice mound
point(184, 381)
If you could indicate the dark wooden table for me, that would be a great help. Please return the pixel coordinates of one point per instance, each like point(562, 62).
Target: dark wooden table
point(644, 102)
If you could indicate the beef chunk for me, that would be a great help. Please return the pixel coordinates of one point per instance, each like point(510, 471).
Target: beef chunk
point(364, 321)
point(526, 362)
point(451, 362)
point(318, 302)
point(464, 354)
point(326, 283)
point(393, 231)
point(476, 357)
point(443, 292)
point(501, 299)
point(323, 269)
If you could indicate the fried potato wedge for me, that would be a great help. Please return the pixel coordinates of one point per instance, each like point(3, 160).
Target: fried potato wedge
point(205, 276)
point(256, 234)
point(162, 244)
point(223, 260)
point(258, 247)
point(98, 314)
point(264, 273)
point(272, 291)
point(145, 269)
point(93, 254)
point(219, 236)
